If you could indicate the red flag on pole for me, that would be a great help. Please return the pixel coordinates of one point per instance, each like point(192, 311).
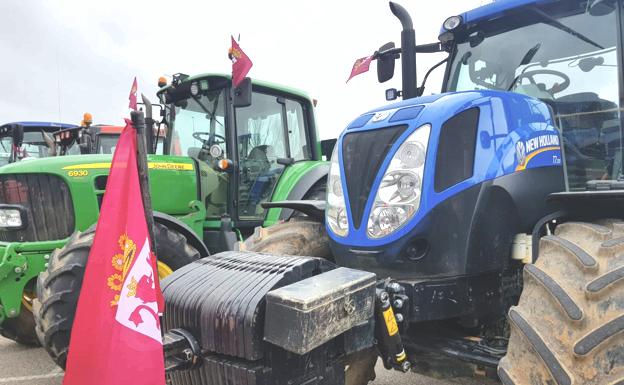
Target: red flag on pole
point(241, 64)
point(133, 95)
point(360, 66)
point(116, 337)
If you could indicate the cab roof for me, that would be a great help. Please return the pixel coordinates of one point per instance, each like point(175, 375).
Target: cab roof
point(495, 9)
point(48, 126)
point(256, 82)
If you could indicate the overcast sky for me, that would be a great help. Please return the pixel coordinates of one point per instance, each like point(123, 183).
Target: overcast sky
point(61, 58)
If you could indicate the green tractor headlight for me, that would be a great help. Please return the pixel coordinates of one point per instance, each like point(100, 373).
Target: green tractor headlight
point(398, 196)
point(11, 217)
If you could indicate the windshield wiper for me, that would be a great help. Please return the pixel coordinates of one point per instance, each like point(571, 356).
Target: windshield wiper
point(557, 24)
point(212, 117)
point(526, 59)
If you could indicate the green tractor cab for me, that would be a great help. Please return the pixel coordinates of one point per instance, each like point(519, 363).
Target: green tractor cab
point(481, 235)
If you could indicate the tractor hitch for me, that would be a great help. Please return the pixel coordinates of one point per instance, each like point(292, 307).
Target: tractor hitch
point(181, 349)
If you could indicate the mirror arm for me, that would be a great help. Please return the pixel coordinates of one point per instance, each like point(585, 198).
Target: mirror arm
point(429, 48)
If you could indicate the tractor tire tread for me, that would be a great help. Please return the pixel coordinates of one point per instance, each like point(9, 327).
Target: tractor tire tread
point(58, 287)
point(568, 327)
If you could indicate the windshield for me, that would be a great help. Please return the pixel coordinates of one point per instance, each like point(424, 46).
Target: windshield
point(198, 131)
point(107, 144)
point(199, 123)
point(33, 146)
point(566, 57)
point(5, 150)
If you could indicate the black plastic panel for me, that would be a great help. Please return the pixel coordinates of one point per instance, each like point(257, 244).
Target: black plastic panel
point(362, 155)
point(456, 149)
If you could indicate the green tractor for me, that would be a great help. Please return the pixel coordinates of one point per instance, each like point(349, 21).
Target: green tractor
point(482, 233)
point(225, 152)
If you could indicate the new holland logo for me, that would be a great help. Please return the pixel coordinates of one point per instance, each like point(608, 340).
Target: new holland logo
point(520, 152)
point(381, 115)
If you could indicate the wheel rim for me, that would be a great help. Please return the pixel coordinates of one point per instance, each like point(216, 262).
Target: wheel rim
point(163, 270)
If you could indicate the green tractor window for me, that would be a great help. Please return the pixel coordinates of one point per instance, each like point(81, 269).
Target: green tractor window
point(261, 141)
point(200, 134)
point(299, 144)
point(271, 133)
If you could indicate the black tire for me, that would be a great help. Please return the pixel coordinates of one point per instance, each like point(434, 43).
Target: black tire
point(59, 286)
point(568, 327)
point(298, 236)
point(20, 329)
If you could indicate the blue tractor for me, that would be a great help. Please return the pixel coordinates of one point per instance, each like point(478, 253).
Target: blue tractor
point(22, 140)
point(474, 232)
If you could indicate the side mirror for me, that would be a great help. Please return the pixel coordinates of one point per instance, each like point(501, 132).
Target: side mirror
point(241, 95)
point(385, 62)
point(18, 135)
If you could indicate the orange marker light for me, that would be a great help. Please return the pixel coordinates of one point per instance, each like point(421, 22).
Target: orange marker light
point(223, 164)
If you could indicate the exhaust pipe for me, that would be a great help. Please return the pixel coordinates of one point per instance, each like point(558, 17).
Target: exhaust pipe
point(408, 51)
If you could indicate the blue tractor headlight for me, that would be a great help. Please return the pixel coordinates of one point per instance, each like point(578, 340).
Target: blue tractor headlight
point(336, 207)
point(398, 196)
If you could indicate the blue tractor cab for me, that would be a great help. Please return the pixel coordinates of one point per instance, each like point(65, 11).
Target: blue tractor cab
point(474, 232)
point(22, 140)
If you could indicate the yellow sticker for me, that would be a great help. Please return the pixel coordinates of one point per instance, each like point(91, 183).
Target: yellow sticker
point(391, 323)
point(77, 173)
point(88, 165)
point(151, 165)
point(170, 166)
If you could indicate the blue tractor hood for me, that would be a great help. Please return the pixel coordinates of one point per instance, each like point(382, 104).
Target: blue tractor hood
point(512, 133)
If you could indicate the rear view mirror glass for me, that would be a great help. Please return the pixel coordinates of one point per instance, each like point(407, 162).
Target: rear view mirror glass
point(18, 135)
point(385, 63)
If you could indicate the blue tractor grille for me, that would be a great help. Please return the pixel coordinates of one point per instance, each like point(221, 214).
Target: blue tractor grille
point(362, 155)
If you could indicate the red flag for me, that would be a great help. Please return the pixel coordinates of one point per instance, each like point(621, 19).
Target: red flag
point(360, 66)
point(116, 337)
point(133, 95)
point(241, 64)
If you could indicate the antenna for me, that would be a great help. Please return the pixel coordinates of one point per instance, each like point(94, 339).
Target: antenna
point(58, 85)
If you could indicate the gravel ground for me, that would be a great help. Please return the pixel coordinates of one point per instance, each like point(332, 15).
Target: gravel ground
point(20, 365)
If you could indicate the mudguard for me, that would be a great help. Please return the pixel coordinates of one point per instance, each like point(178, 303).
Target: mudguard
point(304, 186)
point(181, 227)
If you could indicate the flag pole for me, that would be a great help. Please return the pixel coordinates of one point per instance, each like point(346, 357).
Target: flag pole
point(138, 121)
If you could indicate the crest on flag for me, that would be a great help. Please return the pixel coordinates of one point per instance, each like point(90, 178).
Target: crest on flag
point(137, 307)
